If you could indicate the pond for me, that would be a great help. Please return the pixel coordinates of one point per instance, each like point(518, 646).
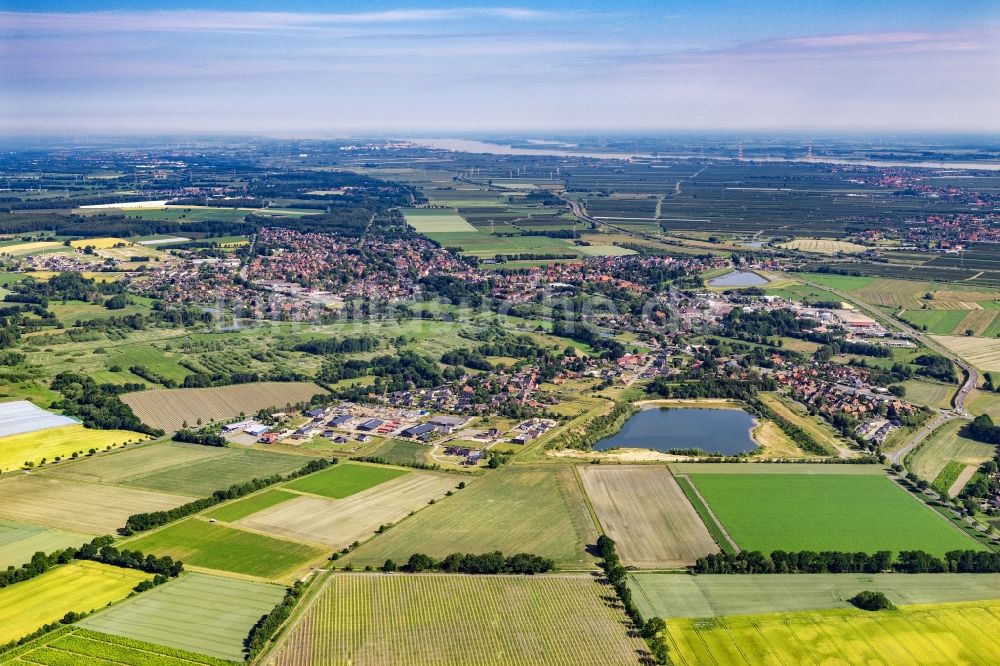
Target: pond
point(738, 279)
point(725, 431)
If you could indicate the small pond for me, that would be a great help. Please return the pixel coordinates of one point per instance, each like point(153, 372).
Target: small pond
point(738, 279)
point(725, 431)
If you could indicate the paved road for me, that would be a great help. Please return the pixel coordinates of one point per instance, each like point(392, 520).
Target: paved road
point(896, 458)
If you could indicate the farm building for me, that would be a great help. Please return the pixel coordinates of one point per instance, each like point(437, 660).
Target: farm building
point(256, 429)
point(339, 420)
point(447, 424)
point(371, 424)
point(419, 430)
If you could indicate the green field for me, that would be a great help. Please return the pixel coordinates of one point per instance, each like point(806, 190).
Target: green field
point(932, 394)
point(839, 282)
point(842, 512)
point(71, 645)
point(199, 613)
point(216, 546)
point(938, 322)
point(537, 510)
point(671, 595)
point(917, 635)
point(78, 586)
point(435, 220)
point(19, 541)
point(233, 511)
point(204, 477)
point(344, 480)
point(403, 452)
point(434, 620)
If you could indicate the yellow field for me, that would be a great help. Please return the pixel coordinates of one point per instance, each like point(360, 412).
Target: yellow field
point(984, 353)
point(99, 243)
point(90, 275)
point(79, 586)
point(960, 633)
point(28, 248)
point(16, 450)
point(822, 246)
point(821, 432)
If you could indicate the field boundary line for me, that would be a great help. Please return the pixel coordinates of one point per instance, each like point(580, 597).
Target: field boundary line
point(943, 517)
point(586, 500)
point(711, 514)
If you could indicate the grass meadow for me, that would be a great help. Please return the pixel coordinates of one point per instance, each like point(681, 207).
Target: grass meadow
point(843, 512)
point(343, 480)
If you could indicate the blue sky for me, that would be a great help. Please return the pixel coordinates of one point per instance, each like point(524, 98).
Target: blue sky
point(329, 68)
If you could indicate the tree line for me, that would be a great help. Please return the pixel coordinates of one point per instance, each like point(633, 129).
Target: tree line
point(265, 627)
point(812, 562)
point(486, 563)
point(97, 405)
point(140, 522)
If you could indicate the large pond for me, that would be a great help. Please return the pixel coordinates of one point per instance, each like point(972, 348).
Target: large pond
point(725, 431)
point(738, 279)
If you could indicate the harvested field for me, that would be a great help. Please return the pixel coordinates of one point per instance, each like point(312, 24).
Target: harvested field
point(24, 249)
point(18, 541)
point(21, 416)
point(72, 645)
point(976, 321)
point(984, 353)
point(517, 509)
point(344, 480)
point(199, 613)
point(840, 512)
point(894, 293)
point(339, 523)
point(203, 477)
point(932, 394)
point(968, 296)
point(823, 246)
point(217, 546)
point(169, 409)
point(436, 220)
point(439, 620)
point(667, 596)
point(916, 635)
point(33, 447)
point(77, 507)
point(647, 515)
point(230, 512)
point(78, 586)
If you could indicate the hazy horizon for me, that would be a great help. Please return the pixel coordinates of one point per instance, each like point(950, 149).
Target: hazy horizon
point(319, 70)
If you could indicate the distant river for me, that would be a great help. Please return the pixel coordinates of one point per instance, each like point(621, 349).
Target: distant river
point(725, 431)
point(473, 146)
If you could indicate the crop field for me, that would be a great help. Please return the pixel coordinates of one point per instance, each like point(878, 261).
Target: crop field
point(839, 282)
point(895, 293)
point(33, 447)
point(203, 477)
point(217, 546)
point(198, 613)
point(136, 462)
point(78, 586)
point(343, 480)
point(917, 635)
point(822, 469)
point(170, 409)
point(24, 249)
point(402, 452)
point(476, 620)
point(230, 512)
point(18, 541)
point(73, 506)
point(823, 246)
point(537, 510)
point(672, 596)
point(99, 243)
point(841, 512)
point(72, 645)
point(20, 416)
point(647, 515)
point(435, 220)
point(486, 245)
point(984, 402)
point(978, 321)
point(980, 352)
point(341, 522)
point(944, 447)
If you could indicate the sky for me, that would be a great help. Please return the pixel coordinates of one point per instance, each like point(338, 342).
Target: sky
point(431, 68)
